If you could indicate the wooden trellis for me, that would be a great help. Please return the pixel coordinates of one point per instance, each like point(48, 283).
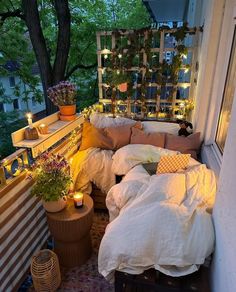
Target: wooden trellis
point(156, 103)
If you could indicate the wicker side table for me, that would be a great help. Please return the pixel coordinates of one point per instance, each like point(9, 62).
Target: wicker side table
point(70, 229)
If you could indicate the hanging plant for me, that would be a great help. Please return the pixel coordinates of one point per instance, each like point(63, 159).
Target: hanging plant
point(117, 77)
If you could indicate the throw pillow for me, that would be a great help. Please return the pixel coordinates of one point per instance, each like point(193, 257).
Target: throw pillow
point(140, 137)
point(120, 135)
point(187, 145)
point(172, 163)
point(93, 137)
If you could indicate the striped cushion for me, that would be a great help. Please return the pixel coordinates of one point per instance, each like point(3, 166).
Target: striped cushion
point(172, 163)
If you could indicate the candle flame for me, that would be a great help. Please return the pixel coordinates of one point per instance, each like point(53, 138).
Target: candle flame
point(29, 116)
point(78, 196)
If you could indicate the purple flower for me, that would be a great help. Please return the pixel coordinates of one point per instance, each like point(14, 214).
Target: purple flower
point(64, 93)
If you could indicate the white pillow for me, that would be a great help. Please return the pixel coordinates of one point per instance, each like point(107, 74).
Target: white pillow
point(161, 127)
point(133, 154)
point(101, 121)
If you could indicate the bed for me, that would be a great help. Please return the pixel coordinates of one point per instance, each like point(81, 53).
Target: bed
point(156, 221)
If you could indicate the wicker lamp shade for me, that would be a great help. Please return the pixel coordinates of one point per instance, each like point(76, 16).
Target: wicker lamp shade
point(45, 271)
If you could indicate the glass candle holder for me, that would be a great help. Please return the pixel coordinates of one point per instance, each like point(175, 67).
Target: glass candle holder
point(78, 200)
point(43, 129)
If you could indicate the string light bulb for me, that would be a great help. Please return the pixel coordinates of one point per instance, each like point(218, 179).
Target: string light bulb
point(118, 72)
point(105, 56)
point(120, 56)
point(106, 51)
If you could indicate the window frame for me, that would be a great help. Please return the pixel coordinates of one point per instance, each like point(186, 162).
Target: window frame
point(218, 85)
point(10, 85)
point(18, 104)
point(232, 54)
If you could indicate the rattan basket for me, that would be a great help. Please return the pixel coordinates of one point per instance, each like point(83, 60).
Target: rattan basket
point(45, 271)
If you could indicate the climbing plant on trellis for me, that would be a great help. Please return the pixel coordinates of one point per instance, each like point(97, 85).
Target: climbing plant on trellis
point(147, 73)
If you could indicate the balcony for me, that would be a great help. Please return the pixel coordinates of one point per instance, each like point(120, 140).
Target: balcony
point(147, 82)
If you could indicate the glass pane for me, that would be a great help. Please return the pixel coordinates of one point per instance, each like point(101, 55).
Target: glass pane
point(228, 96)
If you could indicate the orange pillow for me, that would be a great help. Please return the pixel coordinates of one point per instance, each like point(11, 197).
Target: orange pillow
point(172, 163)
point(140, 137)
point(110, 138)
point(190, 144)
point(93, 137)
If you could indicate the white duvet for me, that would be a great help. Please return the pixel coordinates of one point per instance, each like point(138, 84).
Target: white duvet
point(159, 222)
point(92, 165)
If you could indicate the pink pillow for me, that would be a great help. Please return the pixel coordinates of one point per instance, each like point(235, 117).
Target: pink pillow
point(120, 135)
point(140, 137)
point(111, 138)
point(186, 145)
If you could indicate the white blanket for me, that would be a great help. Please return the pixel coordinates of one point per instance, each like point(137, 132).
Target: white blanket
point(93, 165)
point(159, 222)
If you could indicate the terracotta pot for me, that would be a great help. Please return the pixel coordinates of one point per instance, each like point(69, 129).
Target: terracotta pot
point(67, 110)
point(67, 118)
point(55, 206)
point(123, 87)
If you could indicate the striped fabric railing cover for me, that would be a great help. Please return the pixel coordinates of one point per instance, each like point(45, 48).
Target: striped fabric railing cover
point(23, 224)
point(23, 230)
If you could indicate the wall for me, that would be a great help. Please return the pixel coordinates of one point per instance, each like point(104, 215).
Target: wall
point(224, 214)
point(212, 16)
point(214, 55)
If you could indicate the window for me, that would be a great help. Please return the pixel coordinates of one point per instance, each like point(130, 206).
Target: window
point(227, 101)
point(34, 102)
point(16, 104)
point(12, 81)
point(1, 107)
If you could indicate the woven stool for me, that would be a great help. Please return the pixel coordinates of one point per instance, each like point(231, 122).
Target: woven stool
point(45, 271)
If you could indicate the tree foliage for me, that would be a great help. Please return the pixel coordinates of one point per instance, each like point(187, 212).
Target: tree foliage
point(85, 17)
point(73, 57)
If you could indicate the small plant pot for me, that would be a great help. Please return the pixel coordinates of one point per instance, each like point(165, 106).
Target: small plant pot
point(67, 118)
point(67, 110)
point(55, 206)
point(123, 87)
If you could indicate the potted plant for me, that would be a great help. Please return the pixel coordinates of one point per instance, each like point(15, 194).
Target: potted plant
point(51, 173)
point(119, 79)
point(63, 95)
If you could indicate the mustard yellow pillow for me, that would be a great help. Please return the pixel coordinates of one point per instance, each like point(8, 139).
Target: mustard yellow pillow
point(172, 163)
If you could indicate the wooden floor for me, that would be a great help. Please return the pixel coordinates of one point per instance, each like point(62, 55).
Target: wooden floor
point(152, 280)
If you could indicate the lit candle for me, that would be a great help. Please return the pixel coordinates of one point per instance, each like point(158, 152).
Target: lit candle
point(78, 200)
point(29, 119)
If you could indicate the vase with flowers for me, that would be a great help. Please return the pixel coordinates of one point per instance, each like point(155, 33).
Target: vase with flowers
point(63, 95)
point(51, 173)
